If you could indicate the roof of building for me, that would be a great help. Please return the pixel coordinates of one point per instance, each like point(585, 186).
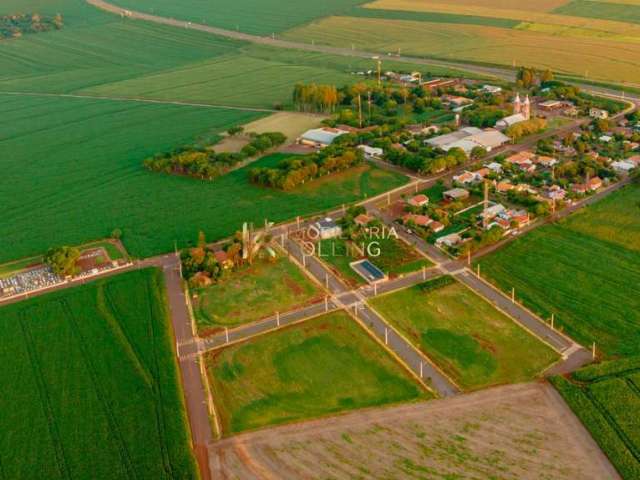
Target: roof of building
point(324, 136)
point(456, 193)
point(419, 199)
point(511, 120)
point(521, 157)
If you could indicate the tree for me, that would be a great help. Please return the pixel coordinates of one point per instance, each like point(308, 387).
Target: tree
point(116, 234)
point(62, 260)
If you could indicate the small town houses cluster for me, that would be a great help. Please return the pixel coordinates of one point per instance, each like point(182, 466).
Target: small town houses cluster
point(512, 186)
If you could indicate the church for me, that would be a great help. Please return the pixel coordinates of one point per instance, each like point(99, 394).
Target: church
point(521, 113)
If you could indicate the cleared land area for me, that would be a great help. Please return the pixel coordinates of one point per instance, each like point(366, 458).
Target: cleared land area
point(259, 17)
point(81, 162)
point(254, 292)
point(292, 124)
point(325, 365)
point(584, 269)
point(606, 398)
point(465, 336)
point(522, 432)
point(602, 10)
point(90, 388)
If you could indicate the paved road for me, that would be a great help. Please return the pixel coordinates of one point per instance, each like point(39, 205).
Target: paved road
point(194, 389)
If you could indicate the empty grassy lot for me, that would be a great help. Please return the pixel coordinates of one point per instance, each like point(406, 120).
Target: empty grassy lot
point(471, 341)
point(606, 398)
point(81, 162)
point(585, 270)
point(322, 366)
point(90, 388)
point(623, 12)
point(256, 291)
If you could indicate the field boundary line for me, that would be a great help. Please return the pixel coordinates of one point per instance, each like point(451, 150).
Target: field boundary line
point(213, 413)
point(510, 317)
point(142, 100)
point(418, 351)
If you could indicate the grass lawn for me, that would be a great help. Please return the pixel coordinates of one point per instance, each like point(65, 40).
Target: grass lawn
point(606, 397)
point(90, 387)
point(465, 336)
point(322, 366)
point(584, 269)
point(254, 292)
point(338, 256)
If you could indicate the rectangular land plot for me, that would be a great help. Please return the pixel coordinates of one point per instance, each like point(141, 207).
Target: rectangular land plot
point(322, 366)
point(90, 387)
point(465, 336)
point(606, 398)
point(584, 269)
point(251, 293)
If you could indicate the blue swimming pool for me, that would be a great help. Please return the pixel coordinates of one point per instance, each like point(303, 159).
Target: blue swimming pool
point(368, 271)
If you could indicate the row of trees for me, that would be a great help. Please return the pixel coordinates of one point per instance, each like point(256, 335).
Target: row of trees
point(426, 160)
point(202, 162)
point(527, 77)
point(528, 127)
point(63, 260)
point(315, 98)
point(295, 171)
point(17, 25)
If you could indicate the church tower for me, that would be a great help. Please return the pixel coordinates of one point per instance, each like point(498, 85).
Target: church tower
point(526, 108)
point(517, 105)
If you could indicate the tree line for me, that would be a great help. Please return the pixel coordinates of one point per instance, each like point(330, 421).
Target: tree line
point(295, 171)
point(13, 26)
point(315, 98)
point(203, 162)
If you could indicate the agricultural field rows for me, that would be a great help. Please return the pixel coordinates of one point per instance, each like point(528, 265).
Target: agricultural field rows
point(585, 270)
point(606, 398)
point(86, 181)
point(90, 386)
point(322, 366)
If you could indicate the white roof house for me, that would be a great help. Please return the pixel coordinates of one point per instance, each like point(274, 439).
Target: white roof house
point(321, 137)
point(469, 138)
point(327, 228)
point(509, 121)
point(371, 152)
point(623, 166)
point(491, 89)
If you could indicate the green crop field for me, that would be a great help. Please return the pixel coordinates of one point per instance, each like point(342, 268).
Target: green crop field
point(322, 366)
point(81, 162)
point(601, 10)
point(585, 270)
point(90, 387)
point(606, 398)
point(258, 17)
point(255, 291)
point(465, 336)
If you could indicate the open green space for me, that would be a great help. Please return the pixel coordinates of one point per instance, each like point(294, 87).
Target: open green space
point(585, 270)
point(322, 366)
point(90, 387)
point(606, 398)
point(258, 17)
point(465, 336)
point(81, 162)
point(251, 293)
point(607, 10)
point(338, 254)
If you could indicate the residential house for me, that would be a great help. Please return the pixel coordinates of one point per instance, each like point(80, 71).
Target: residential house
point(494, 167)
point(436, 227)
point(371, 152)
point(598, 113)
point(450, 240)
point(547, 162)
point(594, 184)
point(362, 219)
point(327, 228)
point(418, 220)
point(467, 178)
point(418, 200)
point(523, 160)
point(456, 194)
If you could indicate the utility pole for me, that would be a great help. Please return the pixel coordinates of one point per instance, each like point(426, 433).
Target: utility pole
point(369, 103)
point(360, 110)
point(553, 321)
point(513, 295)
point(379, 72)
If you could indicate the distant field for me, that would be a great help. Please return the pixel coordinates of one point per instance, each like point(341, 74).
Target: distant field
point(600, 59)
point(471, 341)
point(254, 292)
point(322, 366)
point(606, 398)
point(585, 270)
point(602, 10)
point(84, 181)
point(259, 17)
point(90, 387)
